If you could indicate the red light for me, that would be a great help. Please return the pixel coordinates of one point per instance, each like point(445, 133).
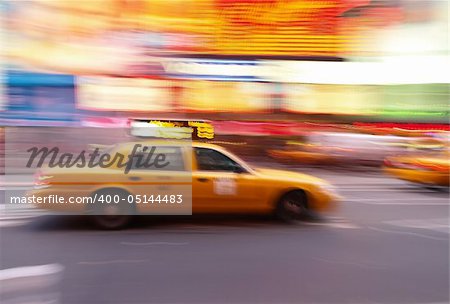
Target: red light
point(387, 163)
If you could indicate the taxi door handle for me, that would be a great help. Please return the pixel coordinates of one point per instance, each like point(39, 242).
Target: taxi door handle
point(134, 178)
point(202, 179)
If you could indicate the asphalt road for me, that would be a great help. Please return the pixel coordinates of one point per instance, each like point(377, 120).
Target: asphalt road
point(388, 242)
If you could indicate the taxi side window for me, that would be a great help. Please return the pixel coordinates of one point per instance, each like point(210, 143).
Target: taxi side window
point(211, 160)
point(173, 160)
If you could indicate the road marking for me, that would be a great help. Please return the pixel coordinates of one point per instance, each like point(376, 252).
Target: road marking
point(12, 223)
point(436, 224)
point(30, 271)
point(399, 190)
point(361, 265)
point(409, 233)
point(111, 262)
point(153, 243)
point(401, 201)
point(16, 188)
point(21, 212)
point(11, 216)
point(335, 225)
point(407, 204)
point(335, 222)
point(30, 279)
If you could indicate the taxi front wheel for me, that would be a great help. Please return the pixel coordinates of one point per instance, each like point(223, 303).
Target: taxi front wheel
point(293, 206)
point(116, 213)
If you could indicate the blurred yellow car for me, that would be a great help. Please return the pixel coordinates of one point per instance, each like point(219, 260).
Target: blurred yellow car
point(426, 170)
point(215, 180)
point(301, 153)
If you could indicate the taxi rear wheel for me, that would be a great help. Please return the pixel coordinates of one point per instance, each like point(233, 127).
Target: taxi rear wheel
point(116, 214)
point(293, 206)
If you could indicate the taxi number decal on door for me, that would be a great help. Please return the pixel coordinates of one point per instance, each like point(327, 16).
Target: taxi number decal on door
point(224, 186)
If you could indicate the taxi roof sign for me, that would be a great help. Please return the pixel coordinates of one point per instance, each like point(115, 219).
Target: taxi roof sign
point(172, 128)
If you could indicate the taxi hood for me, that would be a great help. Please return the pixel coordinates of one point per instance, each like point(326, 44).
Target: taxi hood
point(289, 176)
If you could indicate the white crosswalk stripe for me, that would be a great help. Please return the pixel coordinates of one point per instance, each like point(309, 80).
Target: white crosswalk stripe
point(435, 224)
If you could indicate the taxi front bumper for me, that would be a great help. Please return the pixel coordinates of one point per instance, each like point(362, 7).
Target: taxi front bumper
point(324, 199)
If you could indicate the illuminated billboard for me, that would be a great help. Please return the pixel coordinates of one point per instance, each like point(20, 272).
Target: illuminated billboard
point(251, 27)
point(123, 94)
point(31, 98)
point(225, 96)
point(81, 37)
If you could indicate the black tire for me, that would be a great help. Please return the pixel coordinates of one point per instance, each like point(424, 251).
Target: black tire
point(111, 216)
point(435, 188)
point(293, 206)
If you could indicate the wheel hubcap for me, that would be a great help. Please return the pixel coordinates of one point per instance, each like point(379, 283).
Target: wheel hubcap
point(294, 207)
point(112, 210)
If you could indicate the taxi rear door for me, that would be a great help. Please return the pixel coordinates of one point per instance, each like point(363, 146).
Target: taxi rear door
point(165, 189)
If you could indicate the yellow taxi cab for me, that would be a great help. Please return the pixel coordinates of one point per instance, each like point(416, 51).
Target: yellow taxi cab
point(425, 170)
point(302, 153)
point(207, 177)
